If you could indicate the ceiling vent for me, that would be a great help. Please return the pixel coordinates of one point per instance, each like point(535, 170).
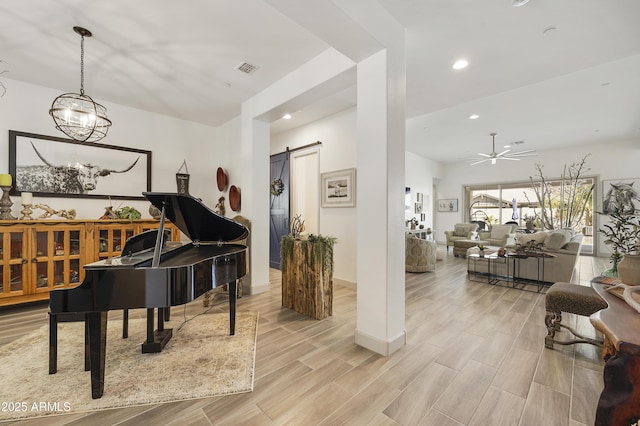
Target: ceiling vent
point(246, 67)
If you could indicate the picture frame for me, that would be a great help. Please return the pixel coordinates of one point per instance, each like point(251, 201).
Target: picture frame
point(49, 166)
point(448, 205)
point(338, 188)
point(630, 190)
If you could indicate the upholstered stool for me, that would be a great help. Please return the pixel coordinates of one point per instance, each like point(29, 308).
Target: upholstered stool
point(574, 299)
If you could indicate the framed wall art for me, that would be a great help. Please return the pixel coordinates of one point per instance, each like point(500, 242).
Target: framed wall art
point(621, 194)
point(339, 188)
point(56, 167)
point(448, 205)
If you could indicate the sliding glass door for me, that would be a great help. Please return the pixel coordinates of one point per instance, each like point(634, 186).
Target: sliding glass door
point(535, 206)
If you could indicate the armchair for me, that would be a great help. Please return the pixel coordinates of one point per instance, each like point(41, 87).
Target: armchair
point(500, 235)
point(461, 231)
point(420, 255)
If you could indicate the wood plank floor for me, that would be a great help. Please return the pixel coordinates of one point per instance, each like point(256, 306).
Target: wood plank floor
point(475, 356)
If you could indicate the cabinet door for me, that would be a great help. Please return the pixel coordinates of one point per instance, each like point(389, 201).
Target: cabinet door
point(57, 257)
point(174, 232)
point(111, 238)
point(14, 279)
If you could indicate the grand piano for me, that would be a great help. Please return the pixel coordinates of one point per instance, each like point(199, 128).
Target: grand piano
point(155, 275)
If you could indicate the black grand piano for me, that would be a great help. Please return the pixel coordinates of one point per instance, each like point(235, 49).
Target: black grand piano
point(152, 274)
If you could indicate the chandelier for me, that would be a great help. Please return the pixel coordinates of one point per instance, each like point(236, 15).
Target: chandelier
point(76, 114)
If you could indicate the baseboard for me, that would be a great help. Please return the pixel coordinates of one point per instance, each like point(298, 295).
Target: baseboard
point(382, 347)
point(256, 289)
point(349, 284)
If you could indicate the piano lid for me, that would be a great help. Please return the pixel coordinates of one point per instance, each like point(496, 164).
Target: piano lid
point(194, 219)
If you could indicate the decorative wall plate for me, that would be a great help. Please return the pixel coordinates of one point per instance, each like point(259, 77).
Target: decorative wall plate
point(221, 178)
point(234, 198)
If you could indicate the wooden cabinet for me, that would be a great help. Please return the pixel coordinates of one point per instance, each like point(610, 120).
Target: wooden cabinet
point(38, 256)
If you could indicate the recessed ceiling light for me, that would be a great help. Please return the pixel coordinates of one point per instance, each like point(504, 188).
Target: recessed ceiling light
point(287, 116)
point(460, 64)
point(474, 116)
point(507, 146)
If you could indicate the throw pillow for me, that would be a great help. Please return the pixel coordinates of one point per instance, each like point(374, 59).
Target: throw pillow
point(537, 237)
point(557, 239)
point(499, 231)
point(460, 231)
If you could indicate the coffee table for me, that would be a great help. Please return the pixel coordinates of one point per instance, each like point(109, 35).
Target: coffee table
point(482, 274)
point(518, 256)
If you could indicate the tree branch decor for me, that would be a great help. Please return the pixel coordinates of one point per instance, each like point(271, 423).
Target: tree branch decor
point(563, 205)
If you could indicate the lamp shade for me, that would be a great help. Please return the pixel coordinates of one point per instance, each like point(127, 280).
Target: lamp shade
point(79, 117)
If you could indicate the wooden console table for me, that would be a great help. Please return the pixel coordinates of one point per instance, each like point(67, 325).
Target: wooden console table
point(620, 399)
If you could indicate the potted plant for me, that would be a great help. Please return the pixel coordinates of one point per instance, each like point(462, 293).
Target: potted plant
point(481, 249)
point(623, 235)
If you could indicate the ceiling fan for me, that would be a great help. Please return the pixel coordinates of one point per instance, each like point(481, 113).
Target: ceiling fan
point(504, 155)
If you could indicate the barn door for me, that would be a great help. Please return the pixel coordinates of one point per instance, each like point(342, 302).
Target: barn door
point(279, 213)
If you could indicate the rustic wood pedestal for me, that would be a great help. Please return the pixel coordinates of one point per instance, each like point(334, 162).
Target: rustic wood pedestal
point(307, 278)
point(620, 399)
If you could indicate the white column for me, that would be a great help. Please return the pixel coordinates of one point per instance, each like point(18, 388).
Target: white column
point(255, 198)
point(381, 157)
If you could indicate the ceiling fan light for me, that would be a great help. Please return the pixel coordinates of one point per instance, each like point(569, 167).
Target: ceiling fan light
point(460, 64)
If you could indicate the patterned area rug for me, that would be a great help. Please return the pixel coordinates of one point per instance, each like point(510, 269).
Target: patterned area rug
point(201, 360)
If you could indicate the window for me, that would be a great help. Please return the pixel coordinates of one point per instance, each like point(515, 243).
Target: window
point(551, 204)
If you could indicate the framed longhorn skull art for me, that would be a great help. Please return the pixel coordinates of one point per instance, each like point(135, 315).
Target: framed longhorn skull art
point(55, 167)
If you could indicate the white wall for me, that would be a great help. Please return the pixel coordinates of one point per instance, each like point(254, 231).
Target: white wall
point(25, 108)
point(611, 160)
point(338, 151)
point(419, 175)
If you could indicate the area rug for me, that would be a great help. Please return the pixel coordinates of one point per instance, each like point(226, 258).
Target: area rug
point(201, 360)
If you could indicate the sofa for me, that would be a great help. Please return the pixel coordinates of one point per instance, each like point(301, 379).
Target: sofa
point(564, 244)
point(420, 255)
point(500, 235)
point(461, 231)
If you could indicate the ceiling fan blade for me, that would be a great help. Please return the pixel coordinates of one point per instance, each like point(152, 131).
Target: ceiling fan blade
point(479, 161)
point(503, 152)
point(484, 155)
point(533, 154)
point(510, 158)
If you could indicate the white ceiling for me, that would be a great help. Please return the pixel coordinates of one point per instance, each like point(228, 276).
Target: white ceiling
point(574, 84)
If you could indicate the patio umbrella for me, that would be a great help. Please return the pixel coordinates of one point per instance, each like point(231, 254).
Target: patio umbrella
point(514, 215)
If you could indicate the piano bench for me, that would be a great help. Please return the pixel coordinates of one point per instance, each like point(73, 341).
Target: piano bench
point(54, 319)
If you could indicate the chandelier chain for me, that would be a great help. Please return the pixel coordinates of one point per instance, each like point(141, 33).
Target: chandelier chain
point(82, 65)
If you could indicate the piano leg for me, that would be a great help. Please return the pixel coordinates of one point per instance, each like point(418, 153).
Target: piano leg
point(232, 307)
point(97, 322)
point(53, 343)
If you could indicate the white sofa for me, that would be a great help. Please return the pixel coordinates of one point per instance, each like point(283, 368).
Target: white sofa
point(500, 235)
point(563, 244)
